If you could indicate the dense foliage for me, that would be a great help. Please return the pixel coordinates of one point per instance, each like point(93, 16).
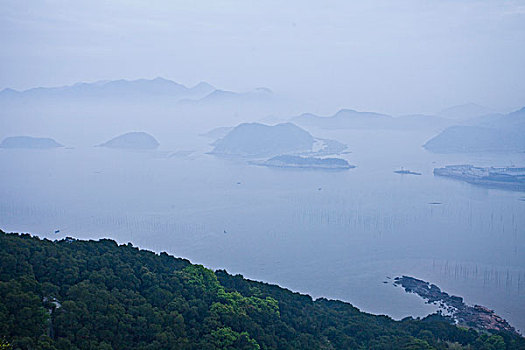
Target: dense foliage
point(73, 294)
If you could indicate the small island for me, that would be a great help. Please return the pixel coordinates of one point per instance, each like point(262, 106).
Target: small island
point(512, 178)
point(290, 161)
point(477, 316)
point(132, 140)
point(29, 142)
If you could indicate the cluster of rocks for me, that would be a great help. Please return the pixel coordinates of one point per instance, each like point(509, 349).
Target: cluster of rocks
point(476, 316)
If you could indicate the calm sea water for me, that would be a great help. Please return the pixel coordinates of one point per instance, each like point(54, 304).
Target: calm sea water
point(334, 234)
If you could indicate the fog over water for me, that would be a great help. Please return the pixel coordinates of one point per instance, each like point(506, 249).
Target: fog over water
point(335, 234)
point(339, 234)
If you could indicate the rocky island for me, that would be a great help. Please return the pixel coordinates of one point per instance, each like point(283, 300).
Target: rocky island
point(512, 178)
point(255, 140)
point(132, 140)
point(260, 140)
point(290, 161)
point(477, 316)
point(29, 142)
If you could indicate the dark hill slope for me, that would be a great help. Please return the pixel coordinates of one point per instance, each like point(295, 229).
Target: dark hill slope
point(259, 140)
point(72, 294)
point(489, 133)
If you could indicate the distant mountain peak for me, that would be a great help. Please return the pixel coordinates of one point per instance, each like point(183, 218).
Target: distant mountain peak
point(263, 90)
point(132, 140)
point(162, 79)
point(203, 84)
point(202, 89)
point(353, 113)
point(465, 111)
point(469, 105)
point(346, 110)
point(9, 91)
point(218, 93)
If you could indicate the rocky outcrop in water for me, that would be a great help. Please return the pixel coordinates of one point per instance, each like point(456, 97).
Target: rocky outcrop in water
point(476, 316)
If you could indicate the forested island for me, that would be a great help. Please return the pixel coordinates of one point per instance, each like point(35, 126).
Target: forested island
point(291, 161)
point(260, 140)
point(73, 294)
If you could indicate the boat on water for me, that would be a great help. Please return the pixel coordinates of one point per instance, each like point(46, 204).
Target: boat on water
point(406, 172)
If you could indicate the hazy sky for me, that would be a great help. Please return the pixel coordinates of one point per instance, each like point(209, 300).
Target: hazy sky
point(389, 56)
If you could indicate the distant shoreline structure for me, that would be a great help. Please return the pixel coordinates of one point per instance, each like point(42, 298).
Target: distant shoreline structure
point(511, 178)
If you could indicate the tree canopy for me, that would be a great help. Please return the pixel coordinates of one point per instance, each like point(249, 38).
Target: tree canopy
point(73, 294)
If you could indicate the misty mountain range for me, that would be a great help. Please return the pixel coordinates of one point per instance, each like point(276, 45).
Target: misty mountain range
point(204, 93)
point(463, 128)
point(201, 93)
point(352, 119)
point(115, 88)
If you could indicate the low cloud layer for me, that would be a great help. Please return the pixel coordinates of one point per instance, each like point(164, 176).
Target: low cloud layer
point(396, 57)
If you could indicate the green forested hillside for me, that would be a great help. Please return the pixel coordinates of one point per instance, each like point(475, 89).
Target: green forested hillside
point(72, 294)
